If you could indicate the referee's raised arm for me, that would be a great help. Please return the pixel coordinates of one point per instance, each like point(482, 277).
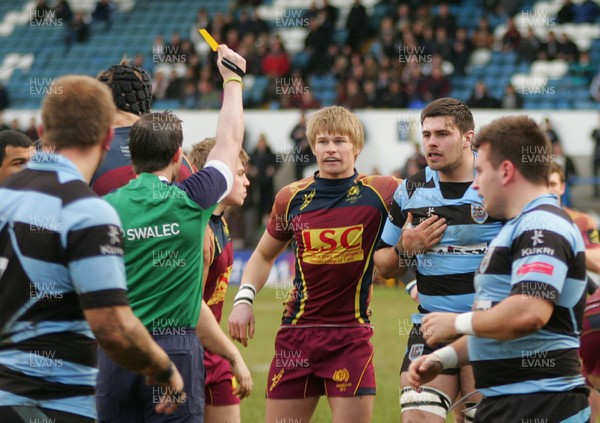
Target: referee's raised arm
point(230, 128)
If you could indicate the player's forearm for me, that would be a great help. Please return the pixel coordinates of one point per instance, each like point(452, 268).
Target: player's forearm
point(461, 347)
point(513, 318)
point(230, 127)
point(259, 266)
point(257, 270)
point(212, 337)
point(127, 342)
point(387, 263)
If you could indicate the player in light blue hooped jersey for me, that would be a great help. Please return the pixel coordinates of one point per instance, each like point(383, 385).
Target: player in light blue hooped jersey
point(450, 233)
point(530, 291)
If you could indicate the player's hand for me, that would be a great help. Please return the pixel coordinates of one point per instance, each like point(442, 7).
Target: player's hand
point(438, 328)
point(423, 370)
point(243, 377)
point(423, 236)
point(225, 52)
point(172, 394)
point(241, 323)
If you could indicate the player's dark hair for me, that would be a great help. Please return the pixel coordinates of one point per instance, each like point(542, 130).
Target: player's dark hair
point(14, 139)
point(456, 109)
point(153, 141)
point(522, 142)
point(131, 87)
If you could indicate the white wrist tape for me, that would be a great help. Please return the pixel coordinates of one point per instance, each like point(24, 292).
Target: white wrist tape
point(464, 324)
point(245, 295)
point(409, 286)
point(447, 357)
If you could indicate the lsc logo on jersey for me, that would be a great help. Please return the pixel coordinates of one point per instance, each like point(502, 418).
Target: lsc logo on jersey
point(333, 245)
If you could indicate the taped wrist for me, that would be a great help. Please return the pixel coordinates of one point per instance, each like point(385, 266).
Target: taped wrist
point(245, 295)
point(464, 324)
point(447, 357)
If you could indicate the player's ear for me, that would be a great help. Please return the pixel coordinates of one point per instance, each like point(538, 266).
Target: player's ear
point(468, 139)
point(507, 169)
point(177, 155)
point(110, 134)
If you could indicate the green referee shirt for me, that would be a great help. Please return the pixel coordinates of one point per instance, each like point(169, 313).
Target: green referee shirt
point(163, 238)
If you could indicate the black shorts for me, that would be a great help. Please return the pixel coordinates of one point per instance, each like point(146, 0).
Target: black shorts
point(417, 347)
point(547, 407)
point(124, 396)
point(19, 414)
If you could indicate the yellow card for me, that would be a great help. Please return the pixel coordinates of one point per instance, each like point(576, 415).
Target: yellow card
point(209, 39)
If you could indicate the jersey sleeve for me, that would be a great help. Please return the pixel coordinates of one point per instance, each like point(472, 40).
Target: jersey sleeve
point(279, 226)
point(209, 185)
point(94, 248)
point(386, 187)
point(539, 268)
point(396, 219)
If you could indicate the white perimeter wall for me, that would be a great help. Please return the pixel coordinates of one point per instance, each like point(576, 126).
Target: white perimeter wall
point(382, 149)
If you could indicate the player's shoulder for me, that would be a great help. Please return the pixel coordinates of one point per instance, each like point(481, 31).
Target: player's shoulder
point(546, 216)
point(103, 210)
point(421, 179)
point(378, 181)
point(289, 191)
point(548, 221)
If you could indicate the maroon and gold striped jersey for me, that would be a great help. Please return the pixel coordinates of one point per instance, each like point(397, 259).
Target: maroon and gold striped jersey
point(333, 225)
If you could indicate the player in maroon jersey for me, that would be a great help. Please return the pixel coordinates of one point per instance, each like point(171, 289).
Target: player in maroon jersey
point(222, 405)
point(333, 220)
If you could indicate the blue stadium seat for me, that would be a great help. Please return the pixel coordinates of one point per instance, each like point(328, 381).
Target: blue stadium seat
point(327, 98)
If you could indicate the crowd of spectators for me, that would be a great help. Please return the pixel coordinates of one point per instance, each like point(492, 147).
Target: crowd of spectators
point(31, 129)
point(77, 24)
point(407, 60)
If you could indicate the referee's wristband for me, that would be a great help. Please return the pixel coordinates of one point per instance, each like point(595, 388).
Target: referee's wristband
point(464, 324)
point(447, 357)
point(234, 79)
point(245, 295)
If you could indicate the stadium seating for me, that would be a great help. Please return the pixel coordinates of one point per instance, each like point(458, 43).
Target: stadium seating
point(33, 51)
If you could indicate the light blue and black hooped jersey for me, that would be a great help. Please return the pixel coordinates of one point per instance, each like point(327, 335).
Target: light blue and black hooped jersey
point(60, 254)
point(539, 254)
point(444, 272)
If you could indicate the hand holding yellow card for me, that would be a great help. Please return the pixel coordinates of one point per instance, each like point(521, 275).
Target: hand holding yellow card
point(209, 39)
point(214, 45)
